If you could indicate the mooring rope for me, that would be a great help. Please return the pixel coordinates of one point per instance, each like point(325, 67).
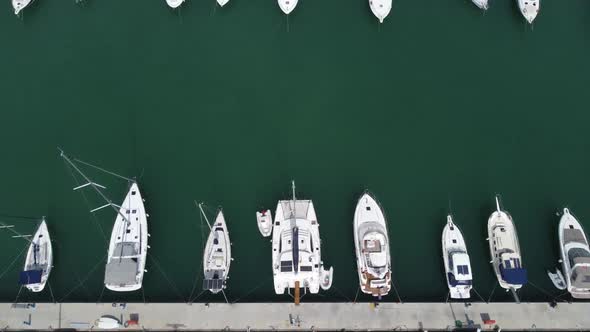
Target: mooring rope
point(101, 292)
point(493, 290)
point(51, 291)
point(251, 291)
point(85, 277)
point(166, 276)
point(481, 297)
point(12, 263)
point(18, 294)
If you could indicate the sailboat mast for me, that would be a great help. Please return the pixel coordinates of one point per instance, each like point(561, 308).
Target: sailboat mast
point(204, 215)
point(93, 185)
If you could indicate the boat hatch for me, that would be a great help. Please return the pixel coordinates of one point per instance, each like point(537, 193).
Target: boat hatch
point(286, 266)
point(212, 284)
point(304, 268)
point(30, 277)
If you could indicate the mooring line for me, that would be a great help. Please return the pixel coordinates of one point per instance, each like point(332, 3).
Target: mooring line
point(12, 263)
point(251, 291)
point(166, 276)
point(85, 278)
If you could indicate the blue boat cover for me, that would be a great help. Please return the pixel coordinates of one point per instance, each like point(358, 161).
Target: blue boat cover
point(30, 277)
point(515, 276)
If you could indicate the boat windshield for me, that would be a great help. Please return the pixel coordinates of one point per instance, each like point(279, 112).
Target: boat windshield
point(578, 256)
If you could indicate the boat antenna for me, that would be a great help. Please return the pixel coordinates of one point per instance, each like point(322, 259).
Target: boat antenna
point(498, 203)
point(94, 186)
point(200, 205)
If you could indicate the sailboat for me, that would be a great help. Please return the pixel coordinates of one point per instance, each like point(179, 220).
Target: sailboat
point(287, 6)
point(39, 260)
point(575, 256)
point(482, 4)
point(264, 221)
point(127, 252)
point(529, 9)
point(456, 261)
point(174, 3)
point(505, 250)
point(296, 244)
point(222, 2)
point(217, 254)
point(380, 8)
point(372, 247)
point(19, 5)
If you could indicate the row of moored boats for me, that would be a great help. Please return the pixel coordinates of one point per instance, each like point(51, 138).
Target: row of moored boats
point(380, 8)
point(296, 248)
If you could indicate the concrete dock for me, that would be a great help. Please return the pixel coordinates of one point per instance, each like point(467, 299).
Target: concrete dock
point(287, 316)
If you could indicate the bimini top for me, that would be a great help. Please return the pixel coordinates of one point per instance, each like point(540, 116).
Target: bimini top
point(511, 270)
point(30, 277)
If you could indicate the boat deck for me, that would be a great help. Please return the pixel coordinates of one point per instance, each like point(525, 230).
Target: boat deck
point(287, 316)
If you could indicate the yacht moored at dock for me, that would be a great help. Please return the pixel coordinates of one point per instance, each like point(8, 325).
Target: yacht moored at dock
point(372, 247)
point(296, 245)
point(174, 3)
point(456, 261)
point(482, 4)
point(575, 256)
point(529, 9)
point(380, 8)
point(287, 6)
point(505, 250)
point(217, 254)
point(39, 260)
point(19, 5)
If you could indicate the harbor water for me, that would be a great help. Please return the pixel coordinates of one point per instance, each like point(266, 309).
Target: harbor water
point(435, 111)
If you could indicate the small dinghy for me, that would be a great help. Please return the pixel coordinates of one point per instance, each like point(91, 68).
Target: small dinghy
point(217, 255)
point(456, 260)
point(482, 4)
point(264, 219)
point(557, 279)
point(529, 9)
point(38, 261)
point(287, 6)
point(380, 8)
point(19, 5)
point(108, 322)
point(326, 278)
point(174, 3)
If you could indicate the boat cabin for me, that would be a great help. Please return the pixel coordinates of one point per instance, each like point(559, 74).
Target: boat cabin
point(460, 267)
point(511, 269)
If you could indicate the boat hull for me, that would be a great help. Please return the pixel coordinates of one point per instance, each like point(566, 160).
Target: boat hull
point(19, 5)
point(41, 243)
point(453, 241)
point(216, 263)
point(287, 6)
point(380, 8)
point(499, 219)
point(128, 245)
point(580, 241)
point(264, 221)
point(174, 3)
point(529, 9)
point(370, 227)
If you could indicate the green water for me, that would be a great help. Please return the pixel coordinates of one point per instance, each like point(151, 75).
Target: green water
point(440, 104)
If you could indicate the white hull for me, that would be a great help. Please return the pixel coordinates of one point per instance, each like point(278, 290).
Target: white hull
point(529, 9)
point(557, 279)
point(482, 4)
point(174, 3)
point(456, 261)
point(380, 8)
point(574, 249)
point(19, 5)
point(217, 255)
point(296, 248)
point(504, 246)
point(128, 245)
point(222, 2)
point(264, 221)
point(287, 6)
point(371, 242)
point(40, 257)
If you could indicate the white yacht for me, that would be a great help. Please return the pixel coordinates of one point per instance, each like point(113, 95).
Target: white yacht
point(482, 4)
point(456, 261)
point(217, 255)
point(128, 246)
point(174, 3)
point(380, 8)
point(264, 220)
point(39, 260)
point(127, 252)
point(19, 5)
point(575, 256)
point(505, 250)
point(372, 247)
point(296, 255)
point(222, 2)
point(529, 9)
point(287, 6)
